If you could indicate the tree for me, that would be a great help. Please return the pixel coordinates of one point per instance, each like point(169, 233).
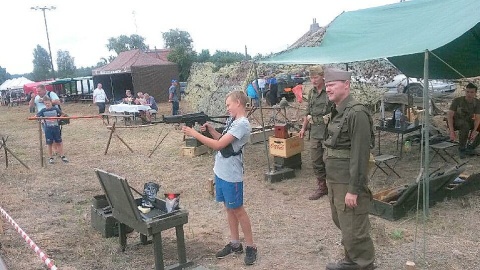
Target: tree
point(41, 64)
point(124, 43)
point(223, 58)
point(204, 56)
point(4, 75)
point(65, 64)
point(184, 59)
point(175, 38)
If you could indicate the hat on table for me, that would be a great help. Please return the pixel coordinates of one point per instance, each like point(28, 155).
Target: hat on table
point(333, 74)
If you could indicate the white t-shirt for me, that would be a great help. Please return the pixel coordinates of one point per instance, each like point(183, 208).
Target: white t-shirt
point(231, 169)
point(41, 105)
point(99, 95)
point(261, 83)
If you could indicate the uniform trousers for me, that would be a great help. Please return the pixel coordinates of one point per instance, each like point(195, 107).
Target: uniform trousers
point(353, 223)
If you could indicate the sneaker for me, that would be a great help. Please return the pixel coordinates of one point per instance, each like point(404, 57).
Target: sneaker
point(250, 255)
point(229, 249)
point(51, 161)
point(64, 159)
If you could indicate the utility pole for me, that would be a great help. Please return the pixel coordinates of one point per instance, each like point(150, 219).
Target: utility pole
point(46, 29)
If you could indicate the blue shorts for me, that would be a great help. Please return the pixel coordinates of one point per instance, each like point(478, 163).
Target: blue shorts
point(231, 194)
point(52, 134)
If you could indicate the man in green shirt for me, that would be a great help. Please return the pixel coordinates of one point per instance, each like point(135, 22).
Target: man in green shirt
point(347, 152)
point(464, 116)
point(318, 106)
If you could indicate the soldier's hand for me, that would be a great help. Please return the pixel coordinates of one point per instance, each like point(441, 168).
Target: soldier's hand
point(351, 200)
point(301, 133)
point(453, 136)
point(473, 135)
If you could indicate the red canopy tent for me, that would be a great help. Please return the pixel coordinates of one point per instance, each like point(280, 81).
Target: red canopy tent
point(32, 87)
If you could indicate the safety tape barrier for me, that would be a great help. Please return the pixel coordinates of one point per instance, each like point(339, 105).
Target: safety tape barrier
point(50, 263)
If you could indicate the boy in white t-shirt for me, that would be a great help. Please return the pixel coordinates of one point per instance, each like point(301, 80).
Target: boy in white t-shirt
point(228, 171)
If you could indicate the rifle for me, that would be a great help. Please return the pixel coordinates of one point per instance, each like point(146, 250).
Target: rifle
point(191, 118)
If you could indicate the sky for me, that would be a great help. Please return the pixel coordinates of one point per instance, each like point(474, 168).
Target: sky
point(84, 27)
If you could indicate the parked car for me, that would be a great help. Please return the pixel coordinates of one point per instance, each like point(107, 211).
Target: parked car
point(414, 87)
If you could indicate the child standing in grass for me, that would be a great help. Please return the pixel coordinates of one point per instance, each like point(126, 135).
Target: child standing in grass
point(228, 171)
point(52, 129)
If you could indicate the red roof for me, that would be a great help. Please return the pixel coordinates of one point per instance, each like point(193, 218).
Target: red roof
point(125, 60)
point(161, 54)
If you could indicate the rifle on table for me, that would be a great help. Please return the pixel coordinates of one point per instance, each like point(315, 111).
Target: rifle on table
point(191, 119)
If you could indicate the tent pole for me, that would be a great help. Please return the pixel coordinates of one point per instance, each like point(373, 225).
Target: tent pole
point(111, 86)
point(426, 137)
point(259, 95)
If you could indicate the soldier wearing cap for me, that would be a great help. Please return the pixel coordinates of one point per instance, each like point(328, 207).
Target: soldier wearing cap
point(318, 107)
point(347, 154)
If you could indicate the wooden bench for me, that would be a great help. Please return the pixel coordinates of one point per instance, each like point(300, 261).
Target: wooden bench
point(127, 118)
point(83, 100)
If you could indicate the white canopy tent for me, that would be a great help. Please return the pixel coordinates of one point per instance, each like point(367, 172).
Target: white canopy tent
point(14, 84)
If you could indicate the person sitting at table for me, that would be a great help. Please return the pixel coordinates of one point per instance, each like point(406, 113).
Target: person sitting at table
point(140, 100)
point(464, 116)
point(150, 101)
point(129, 98)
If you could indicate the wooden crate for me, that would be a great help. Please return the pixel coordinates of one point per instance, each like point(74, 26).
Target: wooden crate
point(194, 151)
point(285, 147)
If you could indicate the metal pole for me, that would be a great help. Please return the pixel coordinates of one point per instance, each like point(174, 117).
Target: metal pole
point(46, 30)
point(48, 40)
point(426, 137)
point(259, 95)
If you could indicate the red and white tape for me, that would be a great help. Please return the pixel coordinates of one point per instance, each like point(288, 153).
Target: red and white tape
point(50, 264)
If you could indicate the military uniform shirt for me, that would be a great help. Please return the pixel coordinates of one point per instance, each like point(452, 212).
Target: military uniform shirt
point(355, 135)
point(464, 110)
point(318, 106)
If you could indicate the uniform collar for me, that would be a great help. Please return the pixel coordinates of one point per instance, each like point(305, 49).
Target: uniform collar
point(341, 107)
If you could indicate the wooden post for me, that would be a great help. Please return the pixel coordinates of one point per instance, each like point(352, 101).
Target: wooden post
point(131, 150)
point(211, 187)
point(1, 226)
point(410, 265)
point(9, 151)
point(110, 137)
point(41, 142)
point(4, 144)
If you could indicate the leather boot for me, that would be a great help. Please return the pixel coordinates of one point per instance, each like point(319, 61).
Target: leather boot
point(346, 264)
point(321, 189)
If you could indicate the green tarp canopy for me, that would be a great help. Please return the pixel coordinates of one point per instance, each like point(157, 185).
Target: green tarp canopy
point(401, 33)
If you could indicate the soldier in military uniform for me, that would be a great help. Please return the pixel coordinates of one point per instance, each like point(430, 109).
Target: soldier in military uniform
point(347, 152)
point(318, 106)
point(464, 116)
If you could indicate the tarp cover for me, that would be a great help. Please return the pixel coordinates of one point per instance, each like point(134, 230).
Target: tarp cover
point(402, 32)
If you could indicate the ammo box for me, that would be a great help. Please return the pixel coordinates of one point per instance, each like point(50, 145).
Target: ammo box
point(285, 147)
point(101, 217)
point(394, 203)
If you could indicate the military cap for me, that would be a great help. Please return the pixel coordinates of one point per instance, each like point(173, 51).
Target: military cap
point(315, 70)
point(333, 74)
